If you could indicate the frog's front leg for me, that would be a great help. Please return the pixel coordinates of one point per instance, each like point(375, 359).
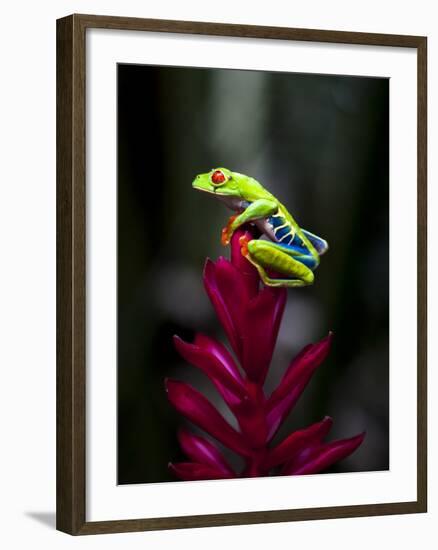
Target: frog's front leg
point(267, 255)
point(261, 208)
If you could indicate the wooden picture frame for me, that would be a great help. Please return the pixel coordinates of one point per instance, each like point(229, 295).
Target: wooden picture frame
point(71, 272)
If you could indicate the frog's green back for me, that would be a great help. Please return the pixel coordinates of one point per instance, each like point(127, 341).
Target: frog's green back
point(250, 189)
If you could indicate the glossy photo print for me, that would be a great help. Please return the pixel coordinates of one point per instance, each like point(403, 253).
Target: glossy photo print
point(252, 274)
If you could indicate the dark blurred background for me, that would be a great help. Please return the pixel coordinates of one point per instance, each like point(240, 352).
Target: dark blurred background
point(320, 144)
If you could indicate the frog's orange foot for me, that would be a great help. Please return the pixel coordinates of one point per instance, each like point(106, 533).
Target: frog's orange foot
point(225, 237)
point(243, 241)
point(227, 231)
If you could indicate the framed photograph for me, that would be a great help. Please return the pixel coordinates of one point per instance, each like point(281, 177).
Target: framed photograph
point(241, 274)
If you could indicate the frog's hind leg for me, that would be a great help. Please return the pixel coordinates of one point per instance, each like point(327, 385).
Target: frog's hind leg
point(265, 255)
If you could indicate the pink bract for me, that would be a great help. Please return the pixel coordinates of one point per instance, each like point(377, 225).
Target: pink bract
point(250, 315)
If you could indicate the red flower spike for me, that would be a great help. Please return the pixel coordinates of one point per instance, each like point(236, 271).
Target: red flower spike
point(250, 275)
point(294, 381)
point(250, 314)
point(303, 365)
point(214, 360)
point(251, 416)
point(261, 322)
point(230, 398)
point(202, 451)
point(220, 352)
point(196, 408)
point(221, 308)
point(278, 414)
point(231, 286)
point(317, 457)
point(190, 471)
point(295, 442)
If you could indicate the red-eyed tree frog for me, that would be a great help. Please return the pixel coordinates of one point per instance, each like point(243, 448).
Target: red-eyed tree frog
point(290, 251)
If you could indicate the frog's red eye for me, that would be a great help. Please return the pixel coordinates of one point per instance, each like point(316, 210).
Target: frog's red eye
point(217, 177)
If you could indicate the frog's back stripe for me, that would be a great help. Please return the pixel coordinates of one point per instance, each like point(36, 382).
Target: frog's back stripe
point(276, 220)
point(283, 232)
point(285, 235)
point(281, 228)
point(297, 243)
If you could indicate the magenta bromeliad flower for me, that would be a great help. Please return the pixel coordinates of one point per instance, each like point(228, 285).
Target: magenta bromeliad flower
point(250, 315)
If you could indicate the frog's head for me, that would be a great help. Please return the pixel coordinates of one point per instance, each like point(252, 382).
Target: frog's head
point(232, 188)
point(219, 181)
